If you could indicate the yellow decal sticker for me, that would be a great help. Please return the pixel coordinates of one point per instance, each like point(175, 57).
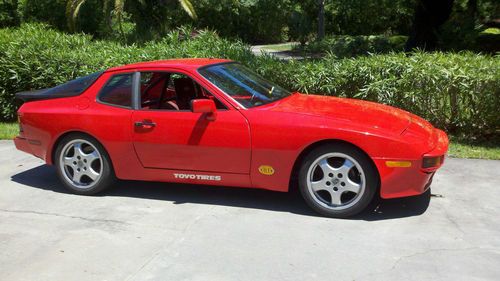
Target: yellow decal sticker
point(266, 170)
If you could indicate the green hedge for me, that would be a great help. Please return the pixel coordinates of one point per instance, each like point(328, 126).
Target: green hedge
point(459, 92)
point(349, 46)
point(35, 57)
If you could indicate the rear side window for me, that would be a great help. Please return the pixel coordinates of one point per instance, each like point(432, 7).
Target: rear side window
point(118, 91)
point(77, 86)
point(69, 89)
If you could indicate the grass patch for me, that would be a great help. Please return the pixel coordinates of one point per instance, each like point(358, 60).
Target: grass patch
point(459, 149)
point(284, 47)
point(8, 130)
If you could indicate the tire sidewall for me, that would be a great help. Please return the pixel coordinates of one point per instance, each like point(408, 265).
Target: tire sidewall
point(107, 177)
point(369, 170)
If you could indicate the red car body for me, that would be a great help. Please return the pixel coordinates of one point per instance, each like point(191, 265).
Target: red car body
point(257, 147)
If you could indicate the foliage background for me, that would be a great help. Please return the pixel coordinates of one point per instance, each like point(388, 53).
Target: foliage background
point(253, 21)
point(459, 92)
point(366, 53)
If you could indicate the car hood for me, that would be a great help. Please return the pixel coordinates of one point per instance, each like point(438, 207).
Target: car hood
point(374, 115)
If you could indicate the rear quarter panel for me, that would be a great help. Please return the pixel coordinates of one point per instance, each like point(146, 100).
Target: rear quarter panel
point(45, 121)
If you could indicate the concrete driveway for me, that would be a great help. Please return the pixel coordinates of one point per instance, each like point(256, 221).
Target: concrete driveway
point(155, 231)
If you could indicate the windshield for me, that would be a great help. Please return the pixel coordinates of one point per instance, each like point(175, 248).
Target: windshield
point(243, 85)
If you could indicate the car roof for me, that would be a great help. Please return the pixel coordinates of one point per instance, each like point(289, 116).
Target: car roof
point(192, 63)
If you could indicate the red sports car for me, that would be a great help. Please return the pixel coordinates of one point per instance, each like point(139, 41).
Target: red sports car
point(213, 121)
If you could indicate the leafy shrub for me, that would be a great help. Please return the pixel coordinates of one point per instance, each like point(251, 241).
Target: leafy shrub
point(47, 11)
point(8, 13)
point(363, 17)
point(350, 46)
point(256, 21)
point(457, 92)
point(300, 27)
point(35, 57)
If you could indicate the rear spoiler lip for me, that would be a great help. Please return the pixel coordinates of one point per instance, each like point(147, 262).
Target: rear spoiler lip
point(27, 96)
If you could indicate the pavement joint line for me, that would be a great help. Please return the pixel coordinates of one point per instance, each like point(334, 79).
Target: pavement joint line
point(60, 215)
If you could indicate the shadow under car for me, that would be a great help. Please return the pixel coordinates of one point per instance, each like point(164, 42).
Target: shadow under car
point(44, 177)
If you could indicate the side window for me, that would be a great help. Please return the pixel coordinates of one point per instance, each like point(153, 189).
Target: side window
point(118, 91)
point(171, 91)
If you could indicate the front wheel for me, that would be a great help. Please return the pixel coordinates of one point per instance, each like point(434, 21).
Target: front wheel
point(337, 180)
point(83, 165)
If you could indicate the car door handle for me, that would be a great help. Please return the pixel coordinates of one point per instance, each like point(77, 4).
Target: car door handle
point(145, 124)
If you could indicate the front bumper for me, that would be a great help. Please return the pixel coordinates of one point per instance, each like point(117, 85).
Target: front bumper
point(22, 144)
point(413, 179)
point(439, 151)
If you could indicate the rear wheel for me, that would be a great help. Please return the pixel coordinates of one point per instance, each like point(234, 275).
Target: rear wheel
point(83, 165)
point(337, 180)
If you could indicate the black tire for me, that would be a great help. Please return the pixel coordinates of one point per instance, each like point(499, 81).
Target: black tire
point(107, 176)
point(367, 166)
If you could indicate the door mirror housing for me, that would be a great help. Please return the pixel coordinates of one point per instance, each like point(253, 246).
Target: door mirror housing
point(204, 106)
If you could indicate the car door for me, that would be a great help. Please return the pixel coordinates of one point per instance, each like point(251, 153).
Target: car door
point(178, 139)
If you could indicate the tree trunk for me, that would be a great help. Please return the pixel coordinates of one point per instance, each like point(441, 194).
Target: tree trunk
point(107, 25)
point(429, 16)
point(472, 8)
point(321, 19)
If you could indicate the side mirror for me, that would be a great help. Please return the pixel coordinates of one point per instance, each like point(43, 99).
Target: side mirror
point(204, 106)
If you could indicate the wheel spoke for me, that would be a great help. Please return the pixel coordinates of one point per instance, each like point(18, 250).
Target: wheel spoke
point(68, 161)
point(91, 156)
point(345, 168)
point(352, 186)
point(93, 175)
point(77, 176)
point(325, 167)
point(78, 149)
point(318, 185)
point(335, 197)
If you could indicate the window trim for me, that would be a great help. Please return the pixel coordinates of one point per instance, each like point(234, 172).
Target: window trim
point(138, 93)
point(136, 90)
point(133, 90)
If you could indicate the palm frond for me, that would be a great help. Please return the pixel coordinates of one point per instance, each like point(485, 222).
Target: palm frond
point(119, 5)
point(188, 7)
point(72, 11)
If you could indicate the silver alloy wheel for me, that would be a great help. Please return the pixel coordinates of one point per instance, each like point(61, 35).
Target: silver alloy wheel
point(336, 181)
point(81, 164)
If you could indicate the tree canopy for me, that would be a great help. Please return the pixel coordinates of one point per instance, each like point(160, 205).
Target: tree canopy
point(454, 24)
